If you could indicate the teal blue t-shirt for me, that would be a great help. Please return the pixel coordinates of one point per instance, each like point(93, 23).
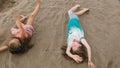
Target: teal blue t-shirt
point(75, 31)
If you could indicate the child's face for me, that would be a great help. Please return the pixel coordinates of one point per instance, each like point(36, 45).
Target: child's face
point(76, 46)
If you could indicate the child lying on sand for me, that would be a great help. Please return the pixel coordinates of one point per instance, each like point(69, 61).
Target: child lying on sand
point(76, 41)
point(21, 37)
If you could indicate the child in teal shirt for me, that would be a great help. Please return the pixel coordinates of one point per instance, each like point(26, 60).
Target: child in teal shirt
point(76, 41)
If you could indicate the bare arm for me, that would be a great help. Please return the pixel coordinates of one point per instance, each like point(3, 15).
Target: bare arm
point(90, 64)
point(3, 48)
point(68, 51)
point(84, 42)
point(34, 13)
point(19, 24)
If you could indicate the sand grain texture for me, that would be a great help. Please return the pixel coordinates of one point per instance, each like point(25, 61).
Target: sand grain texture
point(101, 27)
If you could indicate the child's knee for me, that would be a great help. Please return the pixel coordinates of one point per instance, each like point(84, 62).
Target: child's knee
point(69, 12)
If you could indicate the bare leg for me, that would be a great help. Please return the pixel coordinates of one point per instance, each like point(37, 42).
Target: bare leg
point(33, 14)
point(82, 11)
point(73, 9)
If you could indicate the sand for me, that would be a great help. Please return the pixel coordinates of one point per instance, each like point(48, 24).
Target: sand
point(101, 26)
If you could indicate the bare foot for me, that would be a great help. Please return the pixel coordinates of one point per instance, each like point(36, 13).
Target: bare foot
point(22, 16)
point(86, 9)
point(81, 12)
point(77, 5)
point(38, 1)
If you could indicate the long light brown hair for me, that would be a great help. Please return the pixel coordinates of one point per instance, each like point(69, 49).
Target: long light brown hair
point(81, 52)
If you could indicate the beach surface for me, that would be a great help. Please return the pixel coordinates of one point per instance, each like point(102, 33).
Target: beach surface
point(101, 26)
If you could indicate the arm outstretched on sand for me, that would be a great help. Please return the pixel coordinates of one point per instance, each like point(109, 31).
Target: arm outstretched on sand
point(3, 48)
point(90, 63)
point(34, 13)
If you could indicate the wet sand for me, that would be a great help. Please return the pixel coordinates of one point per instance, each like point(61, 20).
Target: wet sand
point(101, 26)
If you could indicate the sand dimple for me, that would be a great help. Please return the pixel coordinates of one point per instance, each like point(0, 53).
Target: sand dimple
point(6, 5)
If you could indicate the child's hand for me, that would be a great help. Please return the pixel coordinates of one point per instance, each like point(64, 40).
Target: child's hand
point(38, 1)
point(90, 64)
point(77, 58)
point(16, 15)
